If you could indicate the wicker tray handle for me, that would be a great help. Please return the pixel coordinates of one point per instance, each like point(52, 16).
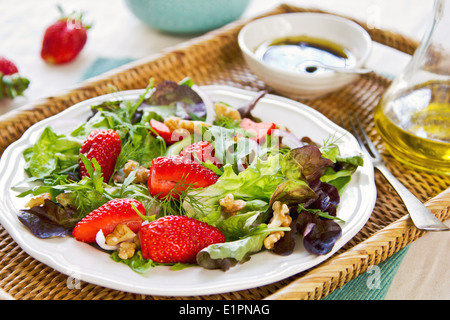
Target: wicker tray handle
point(335, 272)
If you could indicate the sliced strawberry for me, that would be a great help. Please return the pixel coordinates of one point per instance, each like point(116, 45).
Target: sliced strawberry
point(259, 129)
point(104, 145)
point(162, 130)
point(177, 173)
point(204, 151)
point(177, 239)
point(107, 217)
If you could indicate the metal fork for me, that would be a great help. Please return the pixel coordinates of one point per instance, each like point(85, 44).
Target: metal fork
point(421, 216)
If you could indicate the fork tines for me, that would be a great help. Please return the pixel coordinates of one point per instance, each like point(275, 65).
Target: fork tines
point(358, 132)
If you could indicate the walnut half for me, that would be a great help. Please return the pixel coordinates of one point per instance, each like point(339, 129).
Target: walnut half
point(120, 234)
point(38, 200)
point(126, 239)
point(281, 218)
point(222, 110)
point(141, 174)
point(231, 206)
point(126, 250)
point(176, 123)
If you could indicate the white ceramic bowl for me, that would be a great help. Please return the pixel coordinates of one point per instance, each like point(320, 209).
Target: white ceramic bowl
point(340, 31)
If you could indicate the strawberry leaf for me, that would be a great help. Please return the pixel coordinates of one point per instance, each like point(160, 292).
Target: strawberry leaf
point(12, 86)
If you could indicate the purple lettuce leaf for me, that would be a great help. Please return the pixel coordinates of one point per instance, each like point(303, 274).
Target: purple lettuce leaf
point(285, 246)
point(188, 103)
point(327, 199)
point(319, 234)
point(310, 161)
point(49, 220)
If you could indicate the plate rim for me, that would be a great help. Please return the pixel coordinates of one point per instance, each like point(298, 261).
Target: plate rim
point(203, 290)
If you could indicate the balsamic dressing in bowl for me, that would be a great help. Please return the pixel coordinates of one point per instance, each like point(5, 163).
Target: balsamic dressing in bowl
point(298, 54)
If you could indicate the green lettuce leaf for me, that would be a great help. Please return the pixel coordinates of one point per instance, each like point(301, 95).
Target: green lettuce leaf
point(258, 181)
point(227, 254)
point(341, 173)
point(51, 153)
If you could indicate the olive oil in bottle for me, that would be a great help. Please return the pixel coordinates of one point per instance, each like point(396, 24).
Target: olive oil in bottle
point(416, 126)
point(413, 115)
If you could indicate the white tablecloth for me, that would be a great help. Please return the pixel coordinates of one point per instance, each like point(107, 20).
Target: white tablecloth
point(116, 33)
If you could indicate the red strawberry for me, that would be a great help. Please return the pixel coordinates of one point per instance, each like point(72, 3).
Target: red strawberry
point(177, 239)
point(11, 83)
point(107, 217)
point(178, 173)
point(104, 145)
point(7, 67)
point(162, 130)
point(259, 129)
point(64, 39)
point(203, 150)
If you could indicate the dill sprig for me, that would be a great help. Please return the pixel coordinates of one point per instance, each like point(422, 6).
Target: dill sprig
point(172, 203)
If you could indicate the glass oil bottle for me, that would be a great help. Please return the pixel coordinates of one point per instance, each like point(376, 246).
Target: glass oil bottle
point(413, 115)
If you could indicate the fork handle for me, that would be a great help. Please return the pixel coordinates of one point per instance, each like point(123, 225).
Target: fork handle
point(423, 218)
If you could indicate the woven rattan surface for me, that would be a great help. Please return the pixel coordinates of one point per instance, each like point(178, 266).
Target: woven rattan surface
point(215, 58)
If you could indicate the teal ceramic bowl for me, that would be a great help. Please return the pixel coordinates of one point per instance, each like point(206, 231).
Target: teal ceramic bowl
point(187, 16)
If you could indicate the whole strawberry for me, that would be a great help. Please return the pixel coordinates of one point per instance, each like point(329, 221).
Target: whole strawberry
point(7, 67)
point(11, 83)
point(64, 39)
point(176, 239)
point(104, 145)
point(107, 217)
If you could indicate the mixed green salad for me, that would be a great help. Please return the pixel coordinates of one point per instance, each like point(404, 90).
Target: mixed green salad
point(307, 176)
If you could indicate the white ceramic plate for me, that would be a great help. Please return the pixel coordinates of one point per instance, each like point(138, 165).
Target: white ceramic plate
point(83, 262)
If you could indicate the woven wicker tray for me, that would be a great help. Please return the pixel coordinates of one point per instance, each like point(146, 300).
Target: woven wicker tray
point(215, 58)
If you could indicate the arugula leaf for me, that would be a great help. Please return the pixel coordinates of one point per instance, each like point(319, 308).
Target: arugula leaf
point(232, 146)
point(239, 225)
point(208, 164)
point(136, 262)
point(94, 171)
point(318, 212)
point(142, 147)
